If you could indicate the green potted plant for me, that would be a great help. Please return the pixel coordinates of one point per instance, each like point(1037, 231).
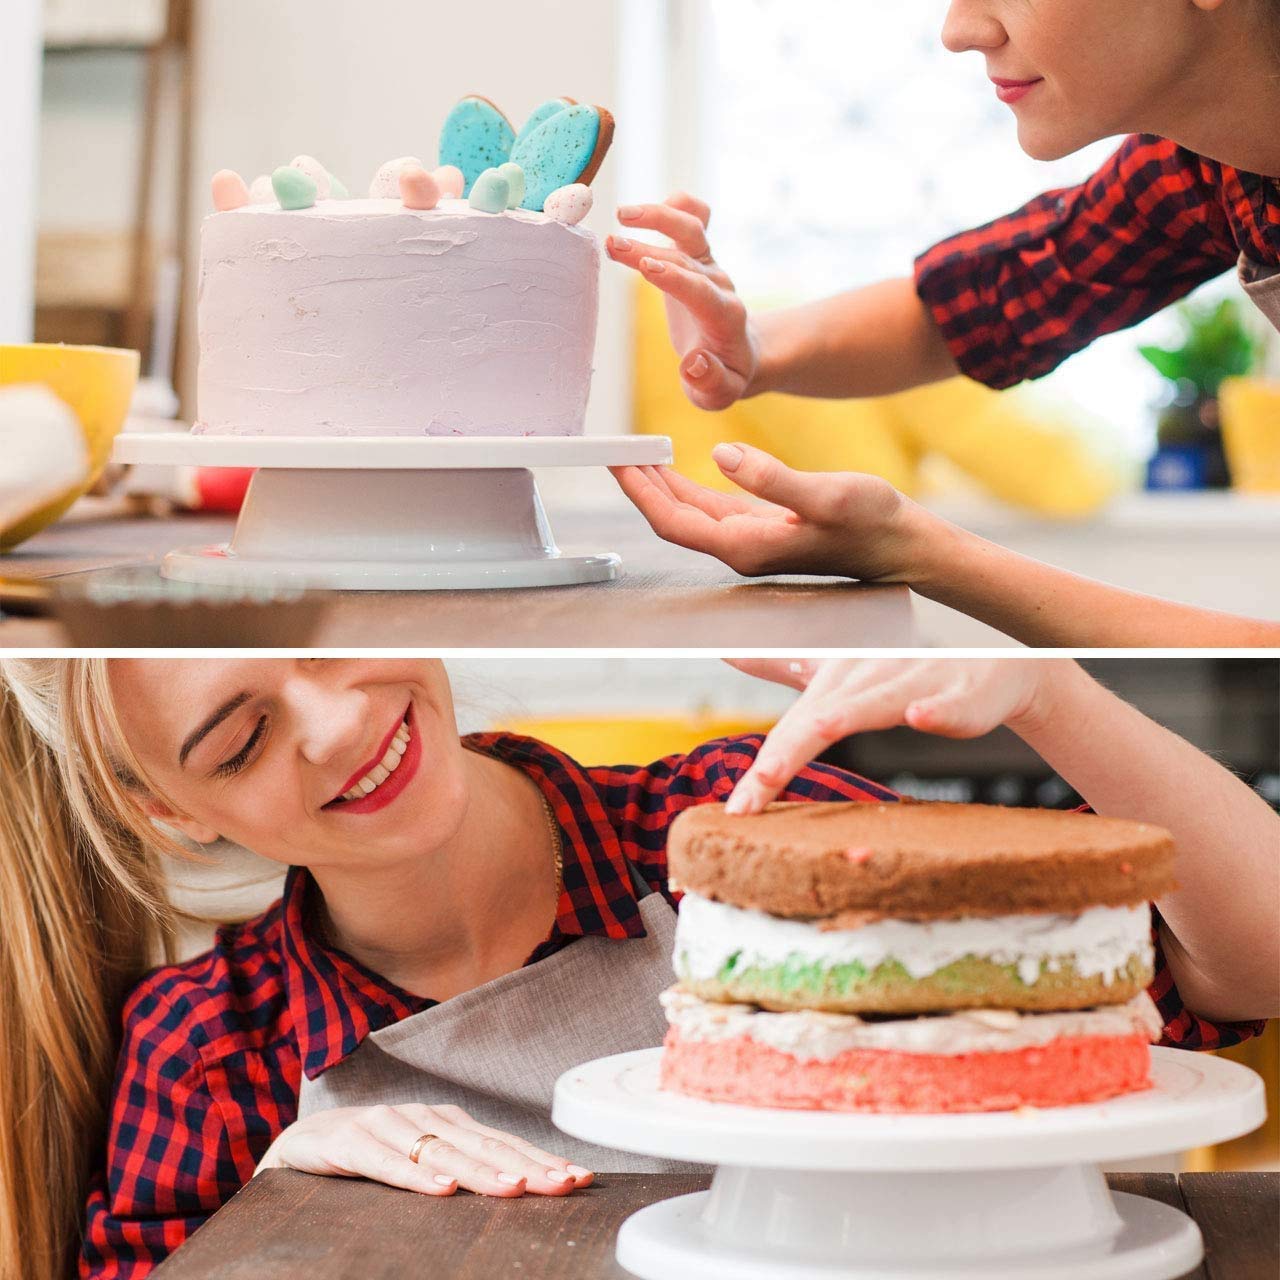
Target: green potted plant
point(1216, 344)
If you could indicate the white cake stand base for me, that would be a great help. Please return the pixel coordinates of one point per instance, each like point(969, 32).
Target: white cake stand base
point(813, 1196)
point(390, 513)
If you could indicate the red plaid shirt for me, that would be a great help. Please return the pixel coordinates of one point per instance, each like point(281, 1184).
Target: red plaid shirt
point(215, 1048)
point(1018, 296)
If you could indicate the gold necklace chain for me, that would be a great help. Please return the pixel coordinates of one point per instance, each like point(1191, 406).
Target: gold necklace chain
point(557, 843)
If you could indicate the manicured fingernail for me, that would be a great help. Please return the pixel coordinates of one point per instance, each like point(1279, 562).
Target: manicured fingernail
point(698, 366)
point(728, 456)
point(579, 1172)
point(655, 265)
point(628, 211)
point(444, 1181)
point(556, 1175)
point(620, 243)
point(511, 1179)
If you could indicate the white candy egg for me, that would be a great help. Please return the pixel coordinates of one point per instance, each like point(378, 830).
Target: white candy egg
point(261, 191)
point(569, 204)
point(316, 172)
point(386, 182)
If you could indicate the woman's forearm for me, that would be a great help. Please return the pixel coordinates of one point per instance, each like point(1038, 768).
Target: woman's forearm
point(1221, 940)
point(868, 342)
point(1051, 608)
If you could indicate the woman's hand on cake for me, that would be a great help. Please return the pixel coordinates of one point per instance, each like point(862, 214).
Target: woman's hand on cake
point(951, 697)
point(813, 522)
point(710, 328)
point(376, 1143)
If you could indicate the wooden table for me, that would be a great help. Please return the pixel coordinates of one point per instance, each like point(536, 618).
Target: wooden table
point(291, 1226)
point(666, 596)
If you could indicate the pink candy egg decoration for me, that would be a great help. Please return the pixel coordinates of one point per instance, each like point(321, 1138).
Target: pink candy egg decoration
point(229, 191)
point(418, 189)
point(450, 180)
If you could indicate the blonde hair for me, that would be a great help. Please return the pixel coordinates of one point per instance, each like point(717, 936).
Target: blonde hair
point(83, 914)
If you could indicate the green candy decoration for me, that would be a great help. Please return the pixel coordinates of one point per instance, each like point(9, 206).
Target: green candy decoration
point(337, 189)
point(514, 175)
point(293, 188)
point(490, 192)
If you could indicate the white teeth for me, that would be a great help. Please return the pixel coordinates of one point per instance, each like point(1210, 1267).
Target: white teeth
point(381, 772)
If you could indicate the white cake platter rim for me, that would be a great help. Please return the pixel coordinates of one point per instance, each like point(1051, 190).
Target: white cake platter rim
point(371, 453)
point(1196, 1100)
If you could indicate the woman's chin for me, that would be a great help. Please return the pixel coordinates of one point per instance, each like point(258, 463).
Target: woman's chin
point(1044, 139)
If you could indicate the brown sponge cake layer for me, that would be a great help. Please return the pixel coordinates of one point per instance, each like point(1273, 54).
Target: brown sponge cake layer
point(845, 864)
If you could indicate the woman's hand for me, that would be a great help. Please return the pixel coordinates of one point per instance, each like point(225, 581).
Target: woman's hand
point(818, 522)
point(710, 328)
point(375, 1142)
point(952, 697)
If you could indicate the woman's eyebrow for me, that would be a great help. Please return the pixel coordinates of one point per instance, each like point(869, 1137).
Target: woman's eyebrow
point(195, 736)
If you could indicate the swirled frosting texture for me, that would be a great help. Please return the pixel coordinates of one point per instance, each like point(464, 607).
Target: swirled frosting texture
point(362, 317)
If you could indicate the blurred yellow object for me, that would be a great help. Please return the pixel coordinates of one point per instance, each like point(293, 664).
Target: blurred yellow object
point(1251, 433)
point(97, 383)
point(1012, 447)
point(633, 740)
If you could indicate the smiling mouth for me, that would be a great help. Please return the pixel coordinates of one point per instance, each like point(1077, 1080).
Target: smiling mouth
point(374, 777)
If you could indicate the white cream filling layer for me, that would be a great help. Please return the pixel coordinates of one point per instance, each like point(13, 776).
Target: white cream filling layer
point(1100, 941)
point(380, 772)
point(813, 1036)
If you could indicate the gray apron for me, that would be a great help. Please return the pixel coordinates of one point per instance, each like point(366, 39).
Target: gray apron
point(1262, 284)
point(497, 1050)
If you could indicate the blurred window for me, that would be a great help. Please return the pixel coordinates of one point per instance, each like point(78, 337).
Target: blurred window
point(837, 140)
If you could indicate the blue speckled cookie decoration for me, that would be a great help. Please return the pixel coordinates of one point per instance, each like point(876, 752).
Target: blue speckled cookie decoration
point(540, 115)
point(476, 136)
point(566, 148)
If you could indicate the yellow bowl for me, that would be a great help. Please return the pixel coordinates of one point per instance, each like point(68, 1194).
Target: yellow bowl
point(97, 383)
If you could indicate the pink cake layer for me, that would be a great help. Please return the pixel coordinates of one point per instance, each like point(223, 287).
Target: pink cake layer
point(1070, 1069)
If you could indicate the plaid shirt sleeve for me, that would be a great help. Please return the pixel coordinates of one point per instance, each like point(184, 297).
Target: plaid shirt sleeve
point(171, 1160)
point(1016, 297)
point(644, 800)
point(1182, 1028)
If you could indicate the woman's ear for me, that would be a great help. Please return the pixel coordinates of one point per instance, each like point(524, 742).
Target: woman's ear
point(158, 811)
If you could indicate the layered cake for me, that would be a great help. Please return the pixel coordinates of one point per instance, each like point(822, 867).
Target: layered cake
point(456, 299)
point(912, 957)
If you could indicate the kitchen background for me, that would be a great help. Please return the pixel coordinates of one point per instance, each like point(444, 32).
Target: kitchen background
point(833, 141)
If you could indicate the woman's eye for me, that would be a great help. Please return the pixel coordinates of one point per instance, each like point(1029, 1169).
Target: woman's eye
point(241, 757)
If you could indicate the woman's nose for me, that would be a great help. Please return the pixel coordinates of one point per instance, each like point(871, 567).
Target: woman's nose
point(971, 24)
point(330, 720)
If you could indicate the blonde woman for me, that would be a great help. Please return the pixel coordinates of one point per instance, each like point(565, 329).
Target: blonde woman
point(462, 920)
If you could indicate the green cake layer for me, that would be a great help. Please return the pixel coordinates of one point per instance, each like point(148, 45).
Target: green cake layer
point(972, 982)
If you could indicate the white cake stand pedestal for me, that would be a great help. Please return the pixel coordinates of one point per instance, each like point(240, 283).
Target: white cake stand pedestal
point(390, 513)
point(818, 1195)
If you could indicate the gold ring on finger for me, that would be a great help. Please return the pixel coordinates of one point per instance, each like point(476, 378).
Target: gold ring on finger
point(416, 1150)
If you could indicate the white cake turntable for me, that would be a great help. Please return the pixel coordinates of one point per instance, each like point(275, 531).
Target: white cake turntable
point(390, 513)
point(997, 1196)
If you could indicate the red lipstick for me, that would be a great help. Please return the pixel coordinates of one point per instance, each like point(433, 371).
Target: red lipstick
point(1013, 90)
point(387, 791)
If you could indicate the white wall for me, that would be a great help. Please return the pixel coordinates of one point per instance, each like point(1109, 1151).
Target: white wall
point(357, 84)
point(20, 35)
